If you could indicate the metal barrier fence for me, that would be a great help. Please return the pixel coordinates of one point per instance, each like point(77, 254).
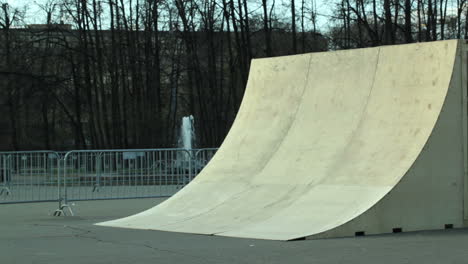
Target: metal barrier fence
point(134, 173)
point(40, 176)
point(201, 157)
point(28, 176)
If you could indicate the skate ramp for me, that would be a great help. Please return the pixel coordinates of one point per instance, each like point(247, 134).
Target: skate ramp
point(331, 144)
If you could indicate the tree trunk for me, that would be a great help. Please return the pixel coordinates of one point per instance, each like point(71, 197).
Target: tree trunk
point(408, 35)
point(293, 27)
point(266, 30)
point(388, 33)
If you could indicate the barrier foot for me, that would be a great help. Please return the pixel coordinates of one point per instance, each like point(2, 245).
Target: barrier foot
point(63, 210)
point(5, 190)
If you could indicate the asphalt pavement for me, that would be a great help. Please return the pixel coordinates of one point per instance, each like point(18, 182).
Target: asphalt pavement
point(30, 234)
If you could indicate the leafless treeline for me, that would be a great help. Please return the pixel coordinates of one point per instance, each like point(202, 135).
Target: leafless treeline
point(362, 23)
point(121, 73)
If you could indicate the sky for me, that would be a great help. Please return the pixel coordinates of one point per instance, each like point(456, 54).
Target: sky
point(35, 15)
point(325, 8)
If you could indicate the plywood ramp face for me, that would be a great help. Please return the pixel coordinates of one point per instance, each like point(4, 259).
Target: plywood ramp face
point(330, 144)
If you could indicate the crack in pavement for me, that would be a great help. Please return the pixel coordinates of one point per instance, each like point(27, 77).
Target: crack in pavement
point(85, 233)
point(88, 234)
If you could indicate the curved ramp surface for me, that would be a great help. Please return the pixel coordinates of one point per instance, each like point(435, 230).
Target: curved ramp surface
point(323, 144)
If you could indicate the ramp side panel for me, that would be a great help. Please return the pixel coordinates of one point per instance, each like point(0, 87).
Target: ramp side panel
point(464, 87)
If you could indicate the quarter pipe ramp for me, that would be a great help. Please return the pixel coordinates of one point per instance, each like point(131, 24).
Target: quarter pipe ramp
point(332, 144)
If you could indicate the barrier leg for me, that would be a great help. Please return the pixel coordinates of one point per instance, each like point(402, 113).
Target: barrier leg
point(62, 192)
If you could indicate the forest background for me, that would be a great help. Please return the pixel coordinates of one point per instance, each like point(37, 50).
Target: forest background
point(99, 74)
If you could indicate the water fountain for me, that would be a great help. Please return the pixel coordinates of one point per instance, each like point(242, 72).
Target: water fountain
point(187, 133)
point(186, 142)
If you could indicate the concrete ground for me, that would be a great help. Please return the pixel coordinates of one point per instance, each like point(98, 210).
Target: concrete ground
point(29, 234)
